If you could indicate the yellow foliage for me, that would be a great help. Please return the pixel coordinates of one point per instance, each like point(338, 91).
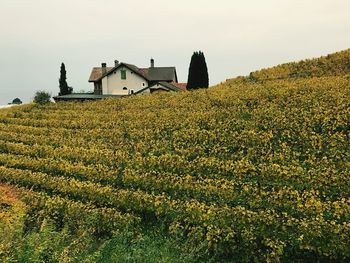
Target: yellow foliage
point(245, 166)
point(12, 209)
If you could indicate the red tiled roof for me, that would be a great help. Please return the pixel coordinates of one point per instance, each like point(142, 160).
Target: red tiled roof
point(96, 73)
point(180, 85)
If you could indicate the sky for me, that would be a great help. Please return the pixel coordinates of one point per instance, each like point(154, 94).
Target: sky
point(236, 36)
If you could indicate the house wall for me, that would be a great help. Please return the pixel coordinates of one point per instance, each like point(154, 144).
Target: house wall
point(98, 88)
point(113, 84)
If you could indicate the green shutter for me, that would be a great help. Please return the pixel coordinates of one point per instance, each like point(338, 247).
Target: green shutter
point(123, 74)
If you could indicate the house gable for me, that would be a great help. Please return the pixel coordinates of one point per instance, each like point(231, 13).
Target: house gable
point(123, 80)
point(131, 67)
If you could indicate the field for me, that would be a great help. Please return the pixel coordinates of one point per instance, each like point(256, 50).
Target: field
point(255, 169)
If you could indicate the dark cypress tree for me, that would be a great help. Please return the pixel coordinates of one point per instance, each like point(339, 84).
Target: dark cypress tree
point(198, 72)
point(64, 88)
point(193, 72)
point(204, 71)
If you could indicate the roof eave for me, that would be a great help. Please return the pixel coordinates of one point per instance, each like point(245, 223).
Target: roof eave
point(119, 65)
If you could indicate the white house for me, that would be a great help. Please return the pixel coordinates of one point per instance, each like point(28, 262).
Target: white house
point(125, 79)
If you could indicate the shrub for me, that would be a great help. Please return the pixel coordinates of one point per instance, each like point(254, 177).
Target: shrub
point(16, 101)
point(42, 97)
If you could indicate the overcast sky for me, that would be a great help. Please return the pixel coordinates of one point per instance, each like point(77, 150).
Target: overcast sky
point(236, 36)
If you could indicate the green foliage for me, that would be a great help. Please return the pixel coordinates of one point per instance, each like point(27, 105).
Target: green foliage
point(16, 101)
point(198, 72)
point(49, 244)
point(42, 97)
point(148, 246)
point(64, 88)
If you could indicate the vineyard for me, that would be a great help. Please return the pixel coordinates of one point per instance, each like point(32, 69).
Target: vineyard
point(250, 170)
point(337, 64)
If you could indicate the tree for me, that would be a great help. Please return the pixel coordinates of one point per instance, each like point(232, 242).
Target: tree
point(64, 88)
point(16, 101)
point(198, 72)
point(42, 97)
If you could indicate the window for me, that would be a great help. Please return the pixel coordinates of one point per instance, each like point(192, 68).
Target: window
point(125, 88)
point(143, 84)
point(131, 91)
point(123, 74)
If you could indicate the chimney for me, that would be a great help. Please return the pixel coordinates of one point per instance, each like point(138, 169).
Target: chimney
point(104, 68)
point(116, 63)
point(152, 63)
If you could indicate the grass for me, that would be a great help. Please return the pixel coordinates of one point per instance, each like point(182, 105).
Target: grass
point(50, 245)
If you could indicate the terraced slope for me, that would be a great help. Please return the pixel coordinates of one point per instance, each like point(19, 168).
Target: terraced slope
point(336, 64)
point(244, 171)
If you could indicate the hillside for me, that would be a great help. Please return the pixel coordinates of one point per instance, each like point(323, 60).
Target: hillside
point(244, 171)
point(336, 64)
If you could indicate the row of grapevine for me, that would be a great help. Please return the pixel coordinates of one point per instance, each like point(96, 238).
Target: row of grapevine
point(241, 167)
